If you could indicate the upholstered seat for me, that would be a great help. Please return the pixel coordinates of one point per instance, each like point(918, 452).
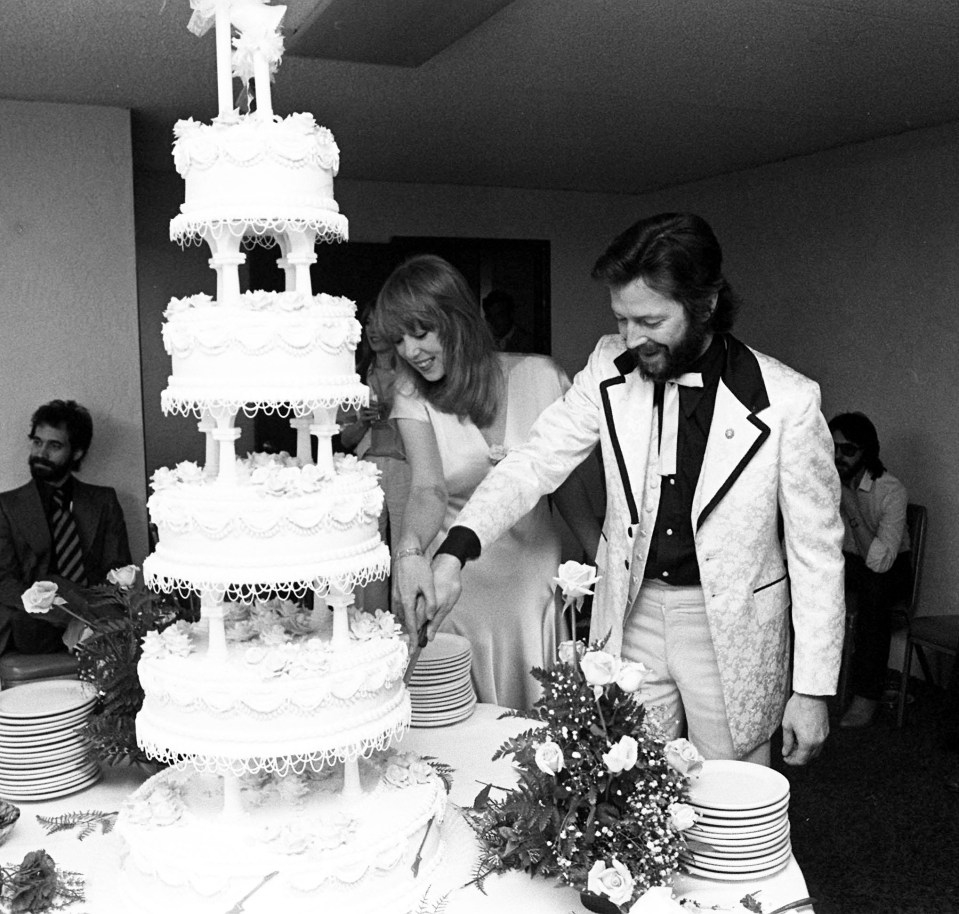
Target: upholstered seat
point(16, 669)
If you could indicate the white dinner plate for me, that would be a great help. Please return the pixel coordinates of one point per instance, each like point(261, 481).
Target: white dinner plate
point(734, 785)
point(41, 699)
point(740, 866)
point(742, 844)
point(754, 832)
point(52, 793)
point(11, 762)
point(758, 813)
point(757, 856)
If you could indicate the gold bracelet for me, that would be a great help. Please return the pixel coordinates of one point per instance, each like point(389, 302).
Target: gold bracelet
point(404, 553)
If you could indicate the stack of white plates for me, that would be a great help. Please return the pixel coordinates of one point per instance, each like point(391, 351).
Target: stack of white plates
point(43, 753)
point(441, 690)
point(742, 822)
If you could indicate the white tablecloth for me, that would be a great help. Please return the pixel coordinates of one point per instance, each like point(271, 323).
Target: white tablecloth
point(467, 747)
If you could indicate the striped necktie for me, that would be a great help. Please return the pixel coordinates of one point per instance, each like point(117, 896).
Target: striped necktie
point(66, 541)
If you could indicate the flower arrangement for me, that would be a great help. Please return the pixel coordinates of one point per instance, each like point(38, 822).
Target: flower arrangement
point(37, 884)
point(118, 614)
point(599, 800)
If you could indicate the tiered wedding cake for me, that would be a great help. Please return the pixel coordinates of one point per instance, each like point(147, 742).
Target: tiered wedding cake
point(277, 719)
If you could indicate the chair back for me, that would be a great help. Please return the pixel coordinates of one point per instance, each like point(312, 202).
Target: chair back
point(916, 517)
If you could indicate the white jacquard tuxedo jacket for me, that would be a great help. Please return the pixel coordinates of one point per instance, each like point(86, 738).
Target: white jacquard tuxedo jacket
point(767, 498)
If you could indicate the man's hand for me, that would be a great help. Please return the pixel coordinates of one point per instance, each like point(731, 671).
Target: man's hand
point(447, 584)
point(805, 728)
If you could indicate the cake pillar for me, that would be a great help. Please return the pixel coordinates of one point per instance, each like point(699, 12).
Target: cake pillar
point(232, 801)
point(289, 271)
point(324, 427)
point(211, 610)
point(340, 602)
point(224, 53)
point(212, 462)
point(351, 781)
point(304, 449)
point(226, 434)
point(226, 259)
point(261, 78)
point(300, 255)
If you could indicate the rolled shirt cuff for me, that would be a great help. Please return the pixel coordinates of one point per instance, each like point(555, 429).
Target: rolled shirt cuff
point(462, 543)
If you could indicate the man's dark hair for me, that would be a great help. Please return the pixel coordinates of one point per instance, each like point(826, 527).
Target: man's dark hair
point(69, 415)
point(857, 428)
point(678, 256)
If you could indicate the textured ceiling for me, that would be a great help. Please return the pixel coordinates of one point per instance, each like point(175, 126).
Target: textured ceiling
point(592, 95)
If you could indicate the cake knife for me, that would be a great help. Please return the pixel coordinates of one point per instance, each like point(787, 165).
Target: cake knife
point(415, 650)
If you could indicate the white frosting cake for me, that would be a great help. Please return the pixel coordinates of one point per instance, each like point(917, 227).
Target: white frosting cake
point(327, 855)
point(276, 347)
point(252, 174)
point(278, 718)
point(281, 698)
point(279, 525)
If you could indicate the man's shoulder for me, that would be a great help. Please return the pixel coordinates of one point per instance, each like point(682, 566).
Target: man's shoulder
point(781, 378)
point(13, 496)
point(91, 490)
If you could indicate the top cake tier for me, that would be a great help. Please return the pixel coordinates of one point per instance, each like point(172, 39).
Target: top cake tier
point(254, 175)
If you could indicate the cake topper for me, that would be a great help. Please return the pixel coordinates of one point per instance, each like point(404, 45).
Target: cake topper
point(258, 47)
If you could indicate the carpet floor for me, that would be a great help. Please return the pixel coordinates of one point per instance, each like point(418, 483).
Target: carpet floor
point(874, 827)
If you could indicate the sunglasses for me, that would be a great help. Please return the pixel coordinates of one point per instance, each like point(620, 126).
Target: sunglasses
point(848, 449)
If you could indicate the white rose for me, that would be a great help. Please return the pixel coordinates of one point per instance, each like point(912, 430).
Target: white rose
point(631, 676)
point(153, 645)
point(398, 775)
point(363, 627)
point(599, 668)
point(613, 881)
point(569, 650)
point(657, 900)
point(681, 816)
point(549, 758)
point(684, 757)
point(163, 478)
point(575, 579)
point(622, 756)
point(41, 598)
point(124, 577)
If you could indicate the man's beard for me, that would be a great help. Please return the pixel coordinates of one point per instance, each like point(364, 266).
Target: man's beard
point(676, 361)
point(44, 471)
point(848, 472)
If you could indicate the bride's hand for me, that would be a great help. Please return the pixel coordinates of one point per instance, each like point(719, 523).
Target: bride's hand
point(413, 591)
point(447, 583)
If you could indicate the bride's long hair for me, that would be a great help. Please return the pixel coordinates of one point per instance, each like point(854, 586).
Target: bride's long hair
point(427, 293)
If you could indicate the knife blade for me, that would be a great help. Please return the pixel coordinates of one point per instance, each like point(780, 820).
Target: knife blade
point(415, 650)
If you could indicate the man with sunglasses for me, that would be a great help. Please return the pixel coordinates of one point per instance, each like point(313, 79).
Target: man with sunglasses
point(876, 549)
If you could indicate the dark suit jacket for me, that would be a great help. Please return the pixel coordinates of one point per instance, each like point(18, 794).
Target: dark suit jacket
point(26, 548)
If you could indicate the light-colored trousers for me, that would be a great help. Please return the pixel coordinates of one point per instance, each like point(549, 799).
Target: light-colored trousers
point(667, 630)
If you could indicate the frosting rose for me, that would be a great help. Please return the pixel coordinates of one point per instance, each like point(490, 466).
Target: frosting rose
point(613, 881)
point(684, 757)
point(575, 579)
point(41, 597)
point(549, 757)
point(189, 471)
point(622, 756)
point(599, 668)
point(398, 775)
point(681, 816)
point(124, 577)
point(631, 676)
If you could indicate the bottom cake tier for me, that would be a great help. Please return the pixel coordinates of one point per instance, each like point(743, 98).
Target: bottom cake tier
point(297, 845)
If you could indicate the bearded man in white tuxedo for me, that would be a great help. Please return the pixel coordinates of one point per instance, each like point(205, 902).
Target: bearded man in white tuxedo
point(722, 521)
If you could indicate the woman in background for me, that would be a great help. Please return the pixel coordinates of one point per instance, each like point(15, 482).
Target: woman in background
point(460, 406)
point(374, 436)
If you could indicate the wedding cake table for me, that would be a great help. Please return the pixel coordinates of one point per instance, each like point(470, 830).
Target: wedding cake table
point(467, 747)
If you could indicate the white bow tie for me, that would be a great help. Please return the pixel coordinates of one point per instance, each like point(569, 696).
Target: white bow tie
point(670, 424)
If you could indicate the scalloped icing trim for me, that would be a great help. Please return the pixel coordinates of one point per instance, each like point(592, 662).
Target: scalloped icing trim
point(193, 403)
point(375, 566)
point(297, 339)
point(294, 141)
point(190, 229)
point(294, 763)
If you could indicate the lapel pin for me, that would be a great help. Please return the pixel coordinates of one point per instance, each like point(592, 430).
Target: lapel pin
point(729, 433)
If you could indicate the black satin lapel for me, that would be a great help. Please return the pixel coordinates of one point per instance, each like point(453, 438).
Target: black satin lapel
point(617, 446)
